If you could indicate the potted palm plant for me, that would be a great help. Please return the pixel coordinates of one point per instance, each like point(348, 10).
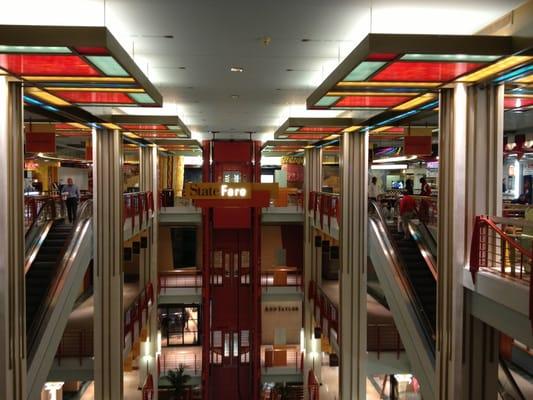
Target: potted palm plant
point(178, 381)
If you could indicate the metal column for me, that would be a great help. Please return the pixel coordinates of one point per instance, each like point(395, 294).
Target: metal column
point(12, 295)
point(312, 183)
point(353, 277)
point(108, 256)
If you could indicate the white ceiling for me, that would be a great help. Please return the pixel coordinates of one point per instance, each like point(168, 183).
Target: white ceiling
point(210, 36)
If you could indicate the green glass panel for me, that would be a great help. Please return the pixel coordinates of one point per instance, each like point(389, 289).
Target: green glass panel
point(292, 129)
point(108, 65)
point(34, 49)
point(141, 98)
point(449, 57)
point(364, 70)
point(327, 101)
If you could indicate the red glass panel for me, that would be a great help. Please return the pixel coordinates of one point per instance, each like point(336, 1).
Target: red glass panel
point(407, 71)
point(381, 57)
point(161, 135)
point(517, 102)
point(88, 51)
point(371, 101)
point(19, 64)
point(395, 129)
point(307, 136)
point(94, 97)
point(138, 127)
point(321, 129)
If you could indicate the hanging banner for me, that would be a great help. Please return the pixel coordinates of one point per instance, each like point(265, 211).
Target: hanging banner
point(417, 142)
point(40, 138)
point(88, 150)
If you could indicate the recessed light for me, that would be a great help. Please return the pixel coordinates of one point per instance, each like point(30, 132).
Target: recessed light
point(236, 69)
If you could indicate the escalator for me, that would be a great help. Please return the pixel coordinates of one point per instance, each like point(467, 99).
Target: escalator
point(406, 270)
point(508, 388)
point(57, 257)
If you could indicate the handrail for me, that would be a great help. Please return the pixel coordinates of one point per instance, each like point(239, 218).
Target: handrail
point(492, 249)
point(378, 218)
point(67, 259)
point(424, 250)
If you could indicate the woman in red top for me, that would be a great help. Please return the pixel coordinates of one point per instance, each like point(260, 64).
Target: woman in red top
point(407, 212)
point(425, 190)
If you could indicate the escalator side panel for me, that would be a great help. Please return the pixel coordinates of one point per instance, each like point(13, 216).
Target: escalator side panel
point(50, 333)
point(419, 349)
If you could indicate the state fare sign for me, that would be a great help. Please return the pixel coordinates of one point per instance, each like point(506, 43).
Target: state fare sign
point(217, 191)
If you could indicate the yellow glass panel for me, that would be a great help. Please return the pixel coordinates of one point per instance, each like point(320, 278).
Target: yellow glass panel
point(131, 135)
point(79, 126)
point(390, 84)
point(92, 89)
point(352, 128)
point(109, 125)
point(76, 79)
point(46, 97)
point(525, 79)
point(495, 68)
point(415, 102)
point(410, 94)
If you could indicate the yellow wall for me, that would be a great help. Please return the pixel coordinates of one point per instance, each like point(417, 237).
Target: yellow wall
point(270, 244)
point(290, 320)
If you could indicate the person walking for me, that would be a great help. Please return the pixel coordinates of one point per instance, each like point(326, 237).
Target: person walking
point(72, 194)
point(407, 212)
point(373, 189)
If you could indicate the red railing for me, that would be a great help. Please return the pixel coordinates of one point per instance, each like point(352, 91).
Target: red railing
point(137, 312)
point(313, 386)
point(75, 344)
point(281, 277)
point(325, 206)
point(171, 359)
point(328, 310)
point(138, 207)
point(503, 246)
point(382, 337)
point(148, 388)
point(180, 278)
point(285, 357)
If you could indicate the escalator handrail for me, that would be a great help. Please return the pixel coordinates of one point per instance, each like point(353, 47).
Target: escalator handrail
point(39, 228)
point(424, 249)
point(429, 332)
point(70, 250)
point(510, 379)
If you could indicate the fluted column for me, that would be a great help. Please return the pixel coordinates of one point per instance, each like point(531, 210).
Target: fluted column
point(353, 272)
point(12, 295)
point(312, 182)
point(108, 272)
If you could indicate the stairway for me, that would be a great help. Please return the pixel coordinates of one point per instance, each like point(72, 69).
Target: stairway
point(44, 269)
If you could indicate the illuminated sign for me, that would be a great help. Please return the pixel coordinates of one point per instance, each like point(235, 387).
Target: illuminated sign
point(197, 191)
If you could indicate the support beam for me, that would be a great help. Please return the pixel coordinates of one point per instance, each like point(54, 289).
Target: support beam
point(353, 274)
point(484, 170)
point(312, 183)
point(12, 294)
point(108, 275)
point(470, 146)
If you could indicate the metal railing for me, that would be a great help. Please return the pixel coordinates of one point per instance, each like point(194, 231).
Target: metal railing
point(171, 359)
point(137, 312)
point(281, 277)
point(427, 209)
point(281, 357)
point(503, 246)
point(179, 278)
point(325, 208)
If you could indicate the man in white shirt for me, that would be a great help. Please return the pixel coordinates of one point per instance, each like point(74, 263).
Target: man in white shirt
point(373, 189)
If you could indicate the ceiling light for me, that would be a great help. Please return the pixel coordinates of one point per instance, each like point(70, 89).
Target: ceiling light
point(234, 96)
point(236, 69)
point(388, 166)
point(395, 159)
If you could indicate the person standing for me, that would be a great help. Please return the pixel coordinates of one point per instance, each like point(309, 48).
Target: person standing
point(425, 188)
point(407, 212)
point(423, 211)
point(373, 189)
point(72, 193)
